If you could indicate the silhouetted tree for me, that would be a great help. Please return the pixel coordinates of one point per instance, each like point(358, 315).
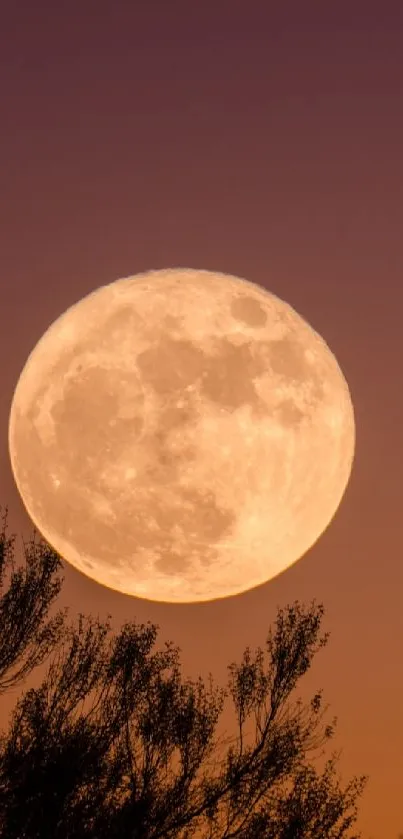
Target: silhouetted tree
point(143, 762)
point(26, 636)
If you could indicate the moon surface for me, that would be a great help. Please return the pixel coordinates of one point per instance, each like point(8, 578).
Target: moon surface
point(181, 435)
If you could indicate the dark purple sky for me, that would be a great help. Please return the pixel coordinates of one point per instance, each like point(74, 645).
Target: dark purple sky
point(266, 144)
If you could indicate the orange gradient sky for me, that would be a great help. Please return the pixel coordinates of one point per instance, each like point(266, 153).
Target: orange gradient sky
point(266, 144)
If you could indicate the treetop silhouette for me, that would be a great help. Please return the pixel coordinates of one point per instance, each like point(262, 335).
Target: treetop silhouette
point(143, 760)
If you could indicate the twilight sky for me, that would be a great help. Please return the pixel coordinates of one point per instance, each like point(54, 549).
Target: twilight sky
point(267, 144)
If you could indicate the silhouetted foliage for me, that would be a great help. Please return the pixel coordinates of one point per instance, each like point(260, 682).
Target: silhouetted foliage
point(26, 637)
point(143, 760)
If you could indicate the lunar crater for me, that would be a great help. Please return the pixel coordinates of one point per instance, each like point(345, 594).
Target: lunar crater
point(248, 311)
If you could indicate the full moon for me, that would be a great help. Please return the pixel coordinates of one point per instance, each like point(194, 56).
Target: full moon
point(181, 435)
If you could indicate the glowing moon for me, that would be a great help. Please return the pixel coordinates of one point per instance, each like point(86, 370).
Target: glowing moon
point(181, 435)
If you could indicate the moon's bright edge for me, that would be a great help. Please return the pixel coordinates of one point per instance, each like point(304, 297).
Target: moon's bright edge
point(181, 435)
